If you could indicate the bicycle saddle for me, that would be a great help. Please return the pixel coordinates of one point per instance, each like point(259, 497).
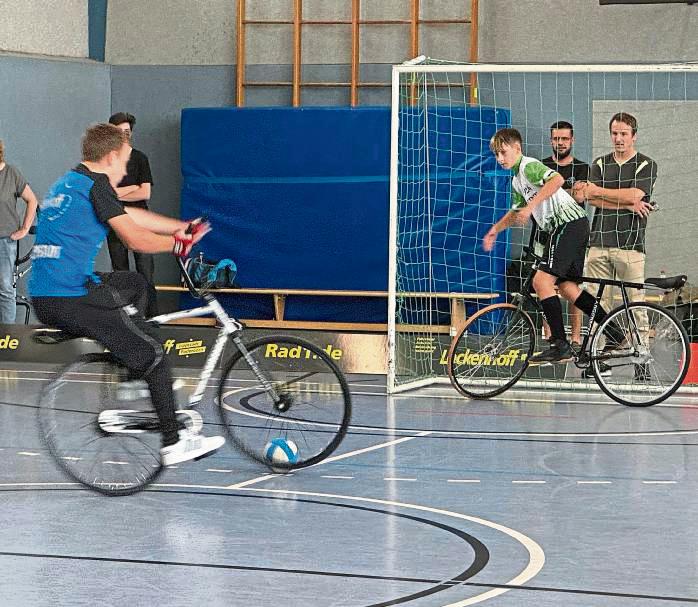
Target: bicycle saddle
point(670, 283)
point(51, 336)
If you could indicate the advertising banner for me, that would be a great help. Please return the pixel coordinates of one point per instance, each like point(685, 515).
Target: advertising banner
point(188, 346)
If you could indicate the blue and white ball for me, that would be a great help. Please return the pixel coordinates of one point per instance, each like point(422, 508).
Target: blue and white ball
point(281, 451)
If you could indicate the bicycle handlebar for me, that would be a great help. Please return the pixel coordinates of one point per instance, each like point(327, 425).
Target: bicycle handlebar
point(193, 291)
point(25, 258)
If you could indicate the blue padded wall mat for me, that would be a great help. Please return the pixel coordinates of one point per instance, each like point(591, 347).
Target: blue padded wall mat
point(298, 197)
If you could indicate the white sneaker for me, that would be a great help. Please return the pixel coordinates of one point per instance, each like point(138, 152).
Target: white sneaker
point(190, 446)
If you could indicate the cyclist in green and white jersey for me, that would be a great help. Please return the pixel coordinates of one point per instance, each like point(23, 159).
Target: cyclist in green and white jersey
point(538, 192)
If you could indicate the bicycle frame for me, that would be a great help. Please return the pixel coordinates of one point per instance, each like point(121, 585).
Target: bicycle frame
point(229, 328)
point(525, 295)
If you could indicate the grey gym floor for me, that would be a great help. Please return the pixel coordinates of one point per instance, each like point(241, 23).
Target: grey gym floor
point(529, 499)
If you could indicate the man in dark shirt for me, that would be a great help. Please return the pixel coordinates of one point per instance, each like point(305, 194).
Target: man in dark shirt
point(573, 171)
point(562, 159)
point(134, 191)
point(67, 294)
point(620, 186)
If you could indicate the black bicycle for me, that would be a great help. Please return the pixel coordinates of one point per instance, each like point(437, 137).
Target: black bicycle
point(282, 401)
point(22, 266)
point(639, 355)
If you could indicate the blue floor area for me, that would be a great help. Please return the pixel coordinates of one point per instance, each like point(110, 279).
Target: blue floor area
point(431, 500)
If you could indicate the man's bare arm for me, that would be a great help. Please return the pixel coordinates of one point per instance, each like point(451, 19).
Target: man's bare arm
point(136, 194)
point(160, 224)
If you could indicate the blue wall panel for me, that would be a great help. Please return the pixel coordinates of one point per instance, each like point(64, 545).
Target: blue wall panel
point(298, 197)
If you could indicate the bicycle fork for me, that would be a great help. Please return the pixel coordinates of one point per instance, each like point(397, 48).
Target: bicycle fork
point(279, 403)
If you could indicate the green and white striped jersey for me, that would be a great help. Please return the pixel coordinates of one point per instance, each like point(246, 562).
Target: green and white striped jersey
point(530, 176)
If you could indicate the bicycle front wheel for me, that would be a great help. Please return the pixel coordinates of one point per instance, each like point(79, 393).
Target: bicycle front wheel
point(491, 352)
point(648, 358)
point(111, 463)
point(288, 407)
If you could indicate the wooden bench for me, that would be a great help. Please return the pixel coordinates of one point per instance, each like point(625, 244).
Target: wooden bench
point(279, 296)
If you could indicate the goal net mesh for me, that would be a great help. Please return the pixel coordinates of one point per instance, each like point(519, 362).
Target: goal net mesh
point(447, 190)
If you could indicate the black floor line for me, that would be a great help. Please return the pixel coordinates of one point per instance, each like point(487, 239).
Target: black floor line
point(387, 578)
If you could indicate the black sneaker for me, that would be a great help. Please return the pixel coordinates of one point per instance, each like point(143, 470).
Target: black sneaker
point(559, 352)
point(604, 370)
point(642, 372)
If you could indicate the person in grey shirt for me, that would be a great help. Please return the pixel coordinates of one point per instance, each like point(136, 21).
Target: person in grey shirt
point(12, 186)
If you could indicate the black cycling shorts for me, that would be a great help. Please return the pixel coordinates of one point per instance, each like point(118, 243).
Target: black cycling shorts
point(565, 251)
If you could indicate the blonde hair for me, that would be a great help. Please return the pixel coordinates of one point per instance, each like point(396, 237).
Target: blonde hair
point(101, 139)
point(506, 136)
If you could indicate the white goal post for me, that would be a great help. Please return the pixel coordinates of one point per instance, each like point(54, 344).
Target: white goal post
point(446, 189)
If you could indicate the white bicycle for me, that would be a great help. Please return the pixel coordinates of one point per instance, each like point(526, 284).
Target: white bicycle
point(275, 393)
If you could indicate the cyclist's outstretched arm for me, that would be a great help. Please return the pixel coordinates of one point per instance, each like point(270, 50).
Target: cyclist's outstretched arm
point(140, 239)
point(160, 224)
point(505, 222)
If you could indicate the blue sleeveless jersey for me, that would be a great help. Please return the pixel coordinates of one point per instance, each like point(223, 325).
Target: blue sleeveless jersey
point(71, 229)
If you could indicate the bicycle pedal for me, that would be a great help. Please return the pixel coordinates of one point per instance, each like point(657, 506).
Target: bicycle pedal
point(115, 421)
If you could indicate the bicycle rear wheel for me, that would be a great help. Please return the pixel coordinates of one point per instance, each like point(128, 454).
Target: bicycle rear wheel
point(651, 361)
point(302, 413)
point(111, 463)
point(491, 352)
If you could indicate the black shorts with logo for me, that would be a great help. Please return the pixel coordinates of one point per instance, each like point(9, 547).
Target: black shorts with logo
point(566, 249)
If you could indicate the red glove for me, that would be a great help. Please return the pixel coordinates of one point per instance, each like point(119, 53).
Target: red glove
point(186, 239)
point(182, 244)
point(198, 225)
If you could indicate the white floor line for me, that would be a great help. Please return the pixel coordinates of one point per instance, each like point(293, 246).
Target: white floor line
point(536, 556)
point(116, 463)
point(187, 486)
point(30, 453)
point(253, 481)
point(594, 482)
point(528, 482)
point(658, 482)
point(463, 480)
point(218, 470)
point(404, 439)
point(397, 478)
point(337, 476)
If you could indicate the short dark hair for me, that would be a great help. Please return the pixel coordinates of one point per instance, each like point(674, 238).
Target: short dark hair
point(2, 151)
point(625, 118)
point(101, 139)
point(562, 124)
point(506, 136)
point(121, 117)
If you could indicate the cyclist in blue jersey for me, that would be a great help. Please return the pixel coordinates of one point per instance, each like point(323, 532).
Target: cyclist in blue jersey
point(67, 294)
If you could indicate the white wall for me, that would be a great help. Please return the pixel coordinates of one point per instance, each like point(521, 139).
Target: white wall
point(44, 27)
point(170, 32)
point(581, 31)
point(182, 32)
